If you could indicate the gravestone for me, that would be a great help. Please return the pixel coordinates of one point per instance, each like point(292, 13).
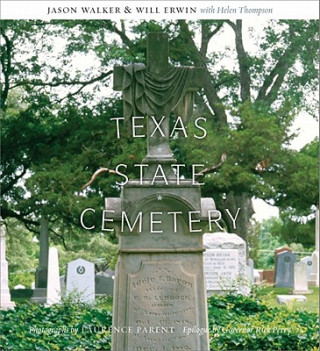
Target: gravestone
point(104, 283)
point(19, 286)
point(53, 279)
point(286, 299)
point(225, 263)
point(300, 279)
point(308, 261)
point(250, 270)
point(159, 290)
point(5, 297)
point(284, 270)
point(40, 291)
point(80, 279)
point(277, 251)
point(314, 277)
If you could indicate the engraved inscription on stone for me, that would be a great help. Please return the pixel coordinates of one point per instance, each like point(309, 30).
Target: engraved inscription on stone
point(162, 307)
point(220, 268)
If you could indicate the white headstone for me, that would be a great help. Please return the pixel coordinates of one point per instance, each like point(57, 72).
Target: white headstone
point(225, 263)
point(5, 297)
point(19, 286)
point(80, 279)
point(300, 279)
point(308, 261)
point(53, 289)
point(314, 277)
point(286, 299)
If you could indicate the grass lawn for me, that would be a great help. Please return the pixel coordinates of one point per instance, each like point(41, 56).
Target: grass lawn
point(270, 294)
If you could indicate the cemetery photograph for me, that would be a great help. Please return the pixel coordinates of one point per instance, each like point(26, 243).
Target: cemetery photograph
point(160, 184)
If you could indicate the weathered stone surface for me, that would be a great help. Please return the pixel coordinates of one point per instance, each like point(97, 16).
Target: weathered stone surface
point(159, 284)
point(300, 279)
point(225, 263)
point(104, 283)
point(5, 297)
point(80, 279)
point(159, 276)
point(284, 270)
point(286, 299)
point(40, 292)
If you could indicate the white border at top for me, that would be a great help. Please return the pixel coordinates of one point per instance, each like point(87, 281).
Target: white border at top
point(160, 10)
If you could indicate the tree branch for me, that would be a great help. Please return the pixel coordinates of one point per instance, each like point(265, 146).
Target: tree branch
point(6, 68)
point(13, 181)
point(245, 80)
point(21, 217)
point(212, 95)
point(272, 83)
point(63, 82)
point(61, 237)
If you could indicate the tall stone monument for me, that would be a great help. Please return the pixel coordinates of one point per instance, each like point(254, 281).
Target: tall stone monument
point(159, 295)
point(40, 291)
point(53, 286)
point(5, 297)
point(314, 277)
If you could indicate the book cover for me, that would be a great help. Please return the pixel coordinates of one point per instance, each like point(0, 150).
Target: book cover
point(159, 175)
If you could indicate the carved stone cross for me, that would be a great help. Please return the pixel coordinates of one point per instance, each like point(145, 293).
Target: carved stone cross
point(163, 88)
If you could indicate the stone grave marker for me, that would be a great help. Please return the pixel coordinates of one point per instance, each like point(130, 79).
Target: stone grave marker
point(308, 261)
point(53, 286)
point(40, 291)
point(80, 279)
point(300, 279)
point(284, 270)
point(225, 263)
point(104, 283)
point(314, 277)
point(250, 270)
point(5, 297)
point(159, 290)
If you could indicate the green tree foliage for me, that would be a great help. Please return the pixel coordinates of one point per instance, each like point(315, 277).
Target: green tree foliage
point(57, 130)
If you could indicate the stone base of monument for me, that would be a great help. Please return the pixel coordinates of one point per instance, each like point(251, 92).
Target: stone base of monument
point(39, 295)
point(5, 301)
point(159, 293)
point(301, 292)
point(286, 299)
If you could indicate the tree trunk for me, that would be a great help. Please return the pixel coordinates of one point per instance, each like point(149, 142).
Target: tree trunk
point(231, 204)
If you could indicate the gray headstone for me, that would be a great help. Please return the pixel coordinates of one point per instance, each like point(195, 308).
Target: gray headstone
point(300, 279)
point(308, 261)
point(286, 299)
point(225, 263)
point(104, 283)
point(40, 292)
point(250, 269)
point(284, 270)
point(80, 279)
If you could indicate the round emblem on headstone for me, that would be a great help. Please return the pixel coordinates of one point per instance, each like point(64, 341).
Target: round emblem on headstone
point(287, 259)
point(81, 270)
point(309, 263)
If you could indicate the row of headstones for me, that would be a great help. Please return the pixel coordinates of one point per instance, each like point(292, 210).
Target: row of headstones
point(292, 274)
point(80, 280)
